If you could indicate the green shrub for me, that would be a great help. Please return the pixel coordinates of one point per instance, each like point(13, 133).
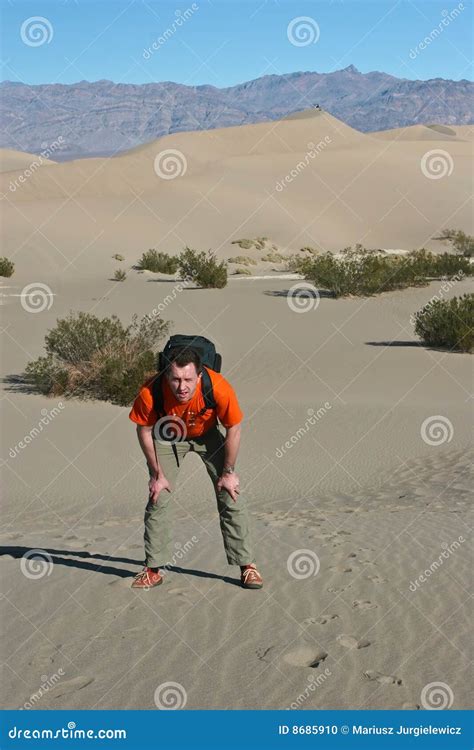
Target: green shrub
point(258, 243)
point(158, 262)
point(463, 243)
point(120, 275)
point(447, 323)
point(203, 268)
point(243, 260)
point(89, 357)
point(6, 267)
point(273, 257)
point(117, 256)
point(242, 272)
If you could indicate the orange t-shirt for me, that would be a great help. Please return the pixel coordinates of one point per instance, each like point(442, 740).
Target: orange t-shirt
point(227, 411)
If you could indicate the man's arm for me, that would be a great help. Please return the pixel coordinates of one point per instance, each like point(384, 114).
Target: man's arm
point(145, 438)
point(232, 444)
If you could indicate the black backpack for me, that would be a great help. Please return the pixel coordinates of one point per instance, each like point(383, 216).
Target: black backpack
point(209, 358)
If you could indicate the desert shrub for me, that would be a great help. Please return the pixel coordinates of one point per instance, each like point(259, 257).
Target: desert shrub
point(117, 256)
point(463, 243)
point(243, 244)
point(311, 250)
point(447, 323)
point(273, 257)
point(6, 267)
point(89, 357)
point(203, 268)
point(158, 262)
point(244, 260)
point(258, 243)
point(119, 275)
point(242, 272)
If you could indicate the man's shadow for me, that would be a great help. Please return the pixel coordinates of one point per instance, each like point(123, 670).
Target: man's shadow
point(64, 557)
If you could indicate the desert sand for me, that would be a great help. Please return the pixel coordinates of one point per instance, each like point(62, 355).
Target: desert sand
point(375, 491)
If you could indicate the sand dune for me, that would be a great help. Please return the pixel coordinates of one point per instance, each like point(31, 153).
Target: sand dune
point(11, 161)
point(305, 181)
point(427, 133)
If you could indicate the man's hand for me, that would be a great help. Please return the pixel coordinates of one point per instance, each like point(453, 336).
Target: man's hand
point(230, 483)
point(156, 486)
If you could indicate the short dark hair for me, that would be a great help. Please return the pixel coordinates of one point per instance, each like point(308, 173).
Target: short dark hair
point(182, 356)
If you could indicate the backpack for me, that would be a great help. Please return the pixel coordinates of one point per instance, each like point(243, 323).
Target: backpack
point(209, 358)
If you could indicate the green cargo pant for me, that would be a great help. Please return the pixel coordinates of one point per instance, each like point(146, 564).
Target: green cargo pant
point(233, 516)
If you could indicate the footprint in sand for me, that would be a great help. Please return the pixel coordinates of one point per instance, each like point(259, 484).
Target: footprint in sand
point(319, 620)
point(376, 579)
point(263, 651)
point(349, 641)
point(363, 604)
point(341, 568)
point(305, 656)
point(384, 679)
point(70, 686)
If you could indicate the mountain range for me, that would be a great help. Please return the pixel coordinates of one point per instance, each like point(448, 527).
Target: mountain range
point(102, 118)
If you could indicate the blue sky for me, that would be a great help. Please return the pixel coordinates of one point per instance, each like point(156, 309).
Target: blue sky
point(224, 42)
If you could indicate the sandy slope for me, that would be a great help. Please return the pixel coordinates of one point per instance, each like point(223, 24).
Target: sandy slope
point(240, 182)
point(361, 488)
point(11, 161)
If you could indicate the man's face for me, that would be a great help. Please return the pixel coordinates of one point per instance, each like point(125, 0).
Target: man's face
point(183, 381)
